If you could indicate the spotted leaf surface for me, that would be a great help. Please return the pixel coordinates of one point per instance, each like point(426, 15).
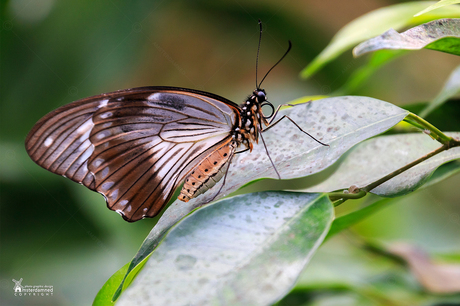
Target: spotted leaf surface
point(380, 156)
point(442, 35)
point(245, 250)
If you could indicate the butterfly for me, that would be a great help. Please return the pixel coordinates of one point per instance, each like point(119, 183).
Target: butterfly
point(137, 146)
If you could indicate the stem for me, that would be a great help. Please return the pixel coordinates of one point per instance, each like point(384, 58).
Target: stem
point(341, 195)
point(418, 121)
point(338, 202)
point(446, 141)
point(414, 124)
point(450, 144)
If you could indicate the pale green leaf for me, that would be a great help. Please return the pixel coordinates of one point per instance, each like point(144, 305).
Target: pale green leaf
point(441, 35)
point(377, 157)
point(245, 250)
point(344, 222)
point(359, 77)
point(374, 23)
point(437, 5)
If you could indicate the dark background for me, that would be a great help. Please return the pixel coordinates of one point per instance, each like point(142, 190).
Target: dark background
point(56, 232)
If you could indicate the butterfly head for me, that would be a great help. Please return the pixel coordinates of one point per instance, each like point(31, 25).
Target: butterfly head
point(261, 95)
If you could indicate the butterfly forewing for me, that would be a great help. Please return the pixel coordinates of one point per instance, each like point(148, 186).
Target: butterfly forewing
point(59, 141)
point(133, 146)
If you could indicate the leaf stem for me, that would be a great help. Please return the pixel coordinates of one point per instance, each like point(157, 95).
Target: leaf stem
point(450, 144)
point(338, 202)
point(346, 195)
point(422, 123)
point(446, 141)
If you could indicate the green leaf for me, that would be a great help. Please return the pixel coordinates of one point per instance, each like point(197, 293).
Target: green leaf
point(306, 99)
point(443, 172)
point(340, 122)
point(451, 88)
point(441, 35)
point(104, 296)
point(245, 250)
point(380, 156)
point(445, 117)
point(396, 16)
point(441, 3)
point(359, 77)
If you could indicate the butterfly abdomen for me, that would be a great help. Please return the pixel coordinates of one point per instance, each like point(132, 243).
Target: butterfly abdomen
point(208, 172)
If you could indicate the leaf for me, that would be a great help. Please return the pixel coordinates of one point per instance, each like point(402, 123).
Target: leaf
point(437, 5)
point(306, 99)
point(374, 23)
point(441, 35)
point(104, 296)
point(377, 157)
point(244, 250)
point(350, 219)
point(443, 172)
point(450, 89)
point(362, 74)
point(340, 122)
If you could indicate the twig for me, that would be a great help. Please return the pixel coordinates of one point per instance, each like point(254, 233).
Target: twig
point(446, 141)
point(438, 135)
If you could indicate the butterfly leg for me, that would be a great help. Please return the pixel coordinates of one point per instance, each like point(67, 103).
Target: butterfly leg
point(273, 116)
point(247, 149)
point(269, 157)
point(270, 124)
point(226, 173)
point(208, 172)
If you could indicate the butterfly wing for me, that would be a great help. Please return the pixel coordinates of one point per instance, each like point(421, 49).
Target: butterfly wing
point(133, 146)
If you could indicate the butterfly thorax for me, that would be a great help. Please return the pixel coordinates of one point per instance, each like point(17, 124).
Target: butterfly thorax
point(251, 120)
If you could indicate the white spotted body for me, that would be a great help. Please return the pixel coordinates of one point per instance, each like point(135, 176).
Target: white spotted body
point(252, 119)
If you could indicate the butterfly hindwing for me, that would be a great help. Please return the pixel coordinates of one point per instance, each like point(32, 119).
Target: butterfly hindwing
point(133, 146)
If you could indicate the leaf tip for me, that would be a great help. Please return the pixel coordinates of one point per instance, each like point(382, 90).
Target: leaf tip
point(356, 52)
point(305, 73)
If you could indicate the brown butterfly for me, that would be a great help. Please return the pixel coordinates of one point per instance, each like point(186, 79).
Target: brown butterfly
point(136, 146)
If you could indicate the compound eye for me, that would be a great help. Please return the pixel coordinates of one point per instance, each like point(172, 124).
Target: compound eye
point(261, 96)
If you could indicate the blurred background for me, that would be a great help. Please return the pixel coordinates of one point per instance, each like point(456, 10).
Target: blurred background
point(56, 232)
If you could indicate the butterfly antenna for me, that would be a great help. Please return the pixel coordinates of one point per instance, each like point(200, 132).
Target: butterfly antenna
point(258, 49)
point(287, 51)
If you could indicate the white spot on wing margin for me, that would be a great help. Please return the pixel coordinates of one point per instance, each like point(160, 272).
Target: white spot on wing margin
point(49, 141)
point(103, 103)
point(154, 96)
